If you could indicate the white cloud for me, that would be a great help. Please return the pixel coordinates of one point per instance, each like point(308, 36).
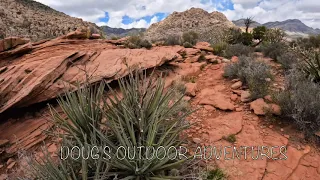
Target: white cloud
point(262, 10)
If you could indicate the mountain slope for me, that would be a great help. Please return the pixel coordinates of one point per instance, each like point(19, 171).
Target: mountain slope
point(209, 26)
point(294, 26)
point(27, 18)
point(119, 32)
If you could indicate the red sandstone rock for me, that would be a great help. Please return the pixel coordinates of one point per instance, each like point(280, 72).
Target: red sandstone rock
point(191, 89)
point(259, 107)
point(57, 64)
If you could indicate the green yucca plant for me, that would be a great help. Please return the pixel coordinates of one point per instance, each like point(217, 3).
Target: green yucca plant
point(312, 66)
point(311, 63)
point(142, 114)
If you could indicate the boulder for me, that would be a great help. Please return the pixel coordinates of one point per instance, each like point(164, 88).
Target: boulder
point(236, 85)
point(259, 107)
point(95, 36)
point(275, 109)
point(192, 59)
point(191, 89)
point(216, 99)
point(203, 46)
point(77, 35)
point(245, 96)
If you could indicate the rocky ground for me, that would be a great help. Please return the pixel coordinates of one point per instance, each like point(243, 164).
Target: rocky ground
point(225, 115)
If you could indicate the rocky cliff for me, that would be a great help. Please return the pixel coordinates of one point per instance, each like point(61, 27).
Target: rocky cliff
point(27, 18)
point(209, 26)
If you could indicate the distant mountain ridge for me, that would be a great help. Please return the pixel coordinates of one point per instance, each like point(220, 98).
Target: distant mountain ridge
point(120, 32)
point(290, 25)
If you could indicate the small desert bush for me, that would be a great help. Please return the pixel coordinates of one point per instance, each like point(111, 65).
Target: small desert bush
point(308, 43)
point(238, 50)
point(251, 72)
point(135, 42)
point(274, 35)
point(219, 48)
point(187, 45)
point(216, 174)
point(233, 36)
point(143, 115)
point(288, 60)
point(190, 37)
point(300, 102)
point(115, 38)
point(172, 40)
point(274, 50)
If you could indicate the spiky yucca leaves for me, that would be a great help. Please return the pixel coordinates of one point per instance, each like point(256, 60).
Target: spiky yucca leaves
point(82, 110)
point(145, 115)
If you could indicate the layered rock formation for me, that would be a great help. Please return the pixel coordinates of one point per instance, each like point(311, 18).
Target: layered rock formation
point(209, 26)
point(58, 65)
point(27, 18)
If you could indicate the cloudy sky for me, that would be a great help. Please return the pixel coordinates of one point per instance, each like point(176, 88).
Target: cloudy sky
point(142, 13)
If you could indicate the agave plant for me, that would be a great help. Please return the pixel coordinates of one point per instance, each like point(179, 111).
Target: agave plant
point(141, 114)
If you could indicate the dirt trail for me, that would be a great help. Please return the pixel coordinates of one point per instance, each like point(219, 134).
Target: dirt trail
point(214, 125)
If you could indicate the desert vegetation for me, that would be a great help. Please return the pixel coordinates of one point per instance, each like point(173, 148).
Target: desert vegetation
point(299, 100)
point(135, 42)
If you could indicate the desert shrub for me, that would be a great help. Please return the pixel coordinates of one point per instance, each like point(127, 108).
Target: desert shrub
point(146, 44)
point(231, 138)
point(233, 36)
point(187, 45)
point(308, 43)
point(190, 37)
point(300, 102)
point(288, 60)
point(172, 40)
point(247, 39)
point(135, 42)
point(216, 174)
point(238, 50)
point(259, 32)
point(251, 72)
point(274, 35)
point(273, 50)
point(145, 115)
point(115, 37)
point(219, 48)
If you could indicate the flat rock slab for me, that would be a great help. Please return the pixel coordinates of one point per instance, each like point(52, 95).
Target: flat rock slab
point(226, 125)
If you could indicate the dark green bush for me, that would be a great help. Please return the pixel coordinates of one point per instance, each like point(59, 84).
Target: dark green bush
point(300, 102)
point(143, 115)
point(247, 39)
point(251, 72)
point(190, 37)
point(238, 50)
point(259, 32)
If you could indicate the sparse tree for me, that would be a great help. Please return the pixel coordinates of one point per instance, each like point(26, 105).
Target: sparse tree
point(247, 22)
